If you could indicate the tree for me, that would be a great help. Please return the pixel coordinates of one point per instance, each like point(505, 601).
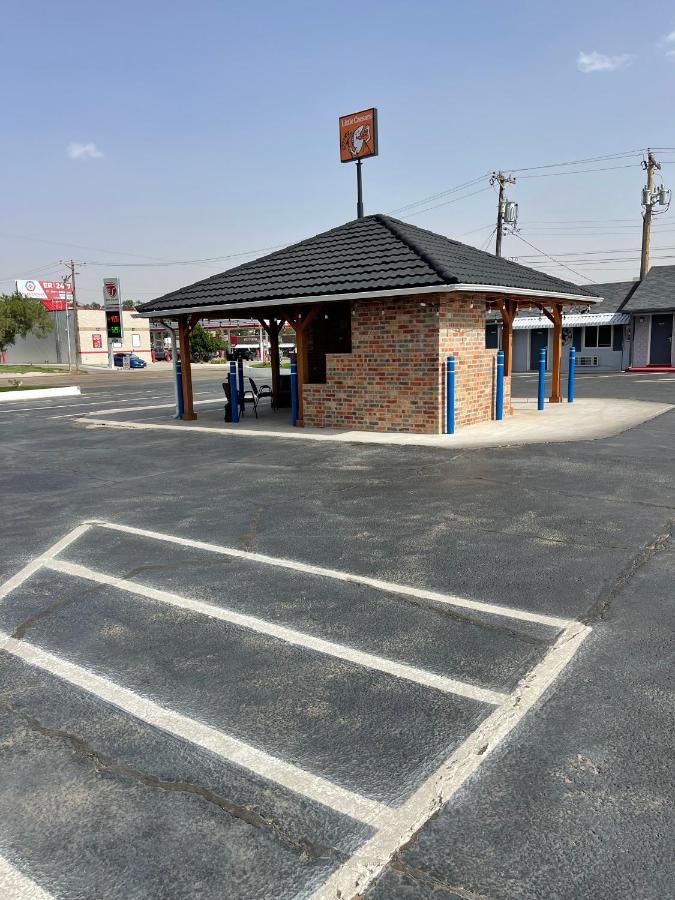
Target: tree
point(202, 344)
point(95, 306)
point(129, 304)
point(20, 316)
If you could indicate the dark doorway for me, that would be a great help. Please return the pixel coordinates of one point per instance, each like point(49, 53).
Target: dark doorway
point(661, 341)
point(538, 341)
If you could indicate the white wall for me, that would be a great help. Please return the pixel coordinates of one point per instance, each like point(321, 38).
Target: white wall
point(53, 348)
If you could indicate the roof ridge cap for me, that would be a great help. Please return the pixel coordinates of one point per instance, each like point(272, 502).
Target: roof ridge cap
point(392, 226)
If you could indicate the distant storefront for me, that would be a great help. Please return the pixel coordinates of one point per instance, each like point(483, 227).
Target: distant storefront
point(58, 346)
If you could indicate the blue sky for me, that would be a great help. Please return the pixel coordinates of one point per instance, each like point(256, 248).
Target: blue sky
point(178, 131)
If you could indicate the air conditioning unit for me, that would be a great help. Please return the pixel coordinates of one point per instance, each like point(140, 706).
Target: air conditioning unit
point(587, 360)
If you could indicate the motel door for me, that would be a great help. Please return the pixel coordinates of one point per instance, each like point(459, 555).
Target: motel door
point(538, 341)
point(661, 340)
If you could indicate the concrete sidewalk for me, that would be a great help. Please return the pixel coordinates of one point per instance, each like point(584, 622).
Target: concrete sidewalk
point(584, 420)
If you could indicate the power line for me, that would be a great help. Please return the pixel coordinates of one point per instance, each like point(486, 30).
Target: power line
point(579, 162)
point(446, 202)
point(24, 237)
point(521, 238)
point(185, 262)
point(580, 171)
point(432, 197)
point(34, 270)
point(592, 252)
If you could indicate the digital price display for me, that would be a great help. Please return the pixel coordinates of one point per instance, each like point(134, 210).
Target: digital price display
point(113, 324)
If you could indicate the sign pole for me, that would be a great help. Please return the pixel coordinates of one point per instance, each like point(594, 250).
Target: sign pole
point(358, 141)
point(70, 363)
point(359, 191)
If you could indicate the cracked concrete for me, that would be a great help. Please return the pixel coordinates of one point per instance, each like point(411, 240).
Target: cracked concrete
point(103, 763)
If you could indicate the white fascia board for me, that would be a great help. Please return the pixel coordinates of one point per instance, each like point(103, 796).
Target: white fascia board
point(363, 295)
point(520, 292)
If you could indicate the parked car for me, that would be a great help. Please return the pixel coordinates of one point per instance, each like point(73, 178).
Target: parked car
point(236, 353)
point(161, 353)
point(135, 362)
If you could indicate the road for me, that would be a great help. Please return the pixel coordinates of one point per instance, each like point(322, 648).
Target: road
point(271, 669)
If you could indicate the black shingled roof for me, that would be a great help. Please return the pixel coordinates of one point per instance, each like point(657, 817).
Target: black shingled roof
point(375, 253)
point(655, 293)
point(613, 293)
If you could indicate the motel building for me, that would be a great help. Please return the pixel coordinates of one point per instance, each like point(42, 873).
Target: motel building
point(630, 329)
point(600, 334)
point(377, 306)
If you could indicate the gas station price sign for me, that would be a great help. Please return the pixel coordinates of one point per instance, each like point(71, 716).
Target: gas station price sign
point(112, 302)
point(113, 325)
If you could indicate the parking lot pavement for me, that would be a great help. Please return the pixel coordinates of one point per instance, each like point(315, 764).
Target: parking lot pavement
point(373, 738)
point(295, 671)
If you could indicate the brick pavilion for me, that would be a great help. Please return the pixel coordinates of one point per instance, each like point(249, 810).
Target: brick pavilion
point(377, 306)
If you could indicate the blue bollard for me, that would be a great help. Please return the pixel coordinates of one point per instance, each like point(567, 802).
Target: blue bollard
point(499, 405)
point(294, 392)
point(570, 375)
point(240, 375)
point(179, 389)
point(234, 393)
point(450, 395)
point(542, 378)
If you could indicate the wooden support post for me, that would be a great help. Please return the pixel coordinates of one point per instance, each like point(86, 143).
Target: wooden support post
point(300, 323)
point(273, 329)
point(186, 370)
point(556, 393)
point(508, 310)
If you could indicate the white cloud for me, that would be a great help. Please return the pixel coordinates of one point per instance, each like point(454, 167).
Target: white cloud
point(667, 43)
point(84, 151)
point(600, 62)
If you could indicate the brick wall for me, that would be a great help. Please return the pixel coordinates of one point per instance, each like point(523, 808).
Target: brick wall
point(394, 378)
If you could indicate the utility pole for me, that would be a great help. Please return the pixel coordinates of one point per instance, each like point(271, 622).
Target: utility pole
point(502, 180)
point(648, 201)
point(76, 322)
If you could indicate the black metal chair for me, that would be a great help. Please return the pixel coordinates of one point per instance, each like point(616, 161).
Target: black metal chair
point(256, 394)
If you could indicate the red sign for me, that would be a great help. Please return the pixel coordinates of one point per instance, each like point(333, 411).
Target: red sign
point(97, 341)
point(54, 295)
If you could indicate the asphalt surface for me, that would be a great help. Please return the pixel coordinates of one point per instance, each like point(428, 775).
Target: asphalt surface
point(102, 799)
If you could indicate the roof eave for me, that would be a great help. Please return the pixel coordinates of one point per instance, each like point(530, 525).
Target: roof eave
point(363, 295)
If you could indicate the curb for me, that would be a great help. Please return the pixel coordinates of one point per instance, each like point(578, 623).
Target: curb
point(40, 393)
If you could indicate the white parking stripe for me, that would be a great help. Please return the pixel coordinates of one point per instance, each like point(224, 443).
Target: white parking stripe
point(397, 827)
point(152, 406)
point(202, 735)
point(388, 586)
point(291, 636)
point(32, 567)
point(16, 886)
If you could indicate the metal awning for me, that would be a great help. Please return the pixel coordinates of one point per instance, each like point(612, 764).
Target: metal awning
point(573, 320)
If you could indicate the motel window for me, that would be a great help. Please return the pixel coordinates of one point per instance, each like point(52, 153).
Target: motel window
point(135, 340)
point(598, 336)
